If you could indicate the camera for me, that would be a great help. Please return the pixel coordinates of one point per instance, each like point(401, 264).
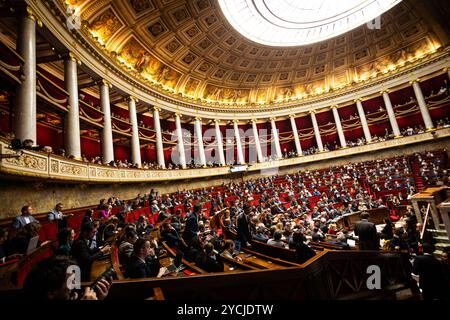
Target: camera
point(109, 273)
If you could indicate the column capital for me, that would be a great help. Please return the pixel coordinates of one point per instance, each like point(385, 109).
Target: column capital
point(384, 91)
point(217, 120)
point(71, 56)
point(253, 120)
point(333, 107)
point(198, 119)
point(357, 99)
point(415, 81)
point(312, 112)
point(177, 115)
point(105, 83)
point(155, 108)
point(235, 121)
point(32, 16)
point(132, 98)
point(272, 118)
point(292, 115)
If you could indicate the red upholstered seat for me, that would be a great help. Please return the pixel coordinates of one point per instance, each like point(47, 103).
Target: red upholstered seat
point(48, 232)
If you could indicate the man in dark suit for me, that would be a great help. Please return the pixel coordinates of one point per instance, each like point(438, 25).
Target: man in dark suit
point(83, 254)
point(432, 279)
point(144, 263)
point(190, 234)
point(367, 233)
point(243, 227)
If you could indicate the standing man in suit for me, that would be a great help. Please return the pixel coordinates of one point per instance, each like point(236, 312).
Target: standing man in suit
point(243, 227)
point(432, 278)
point(190, 234)
point(367, 233)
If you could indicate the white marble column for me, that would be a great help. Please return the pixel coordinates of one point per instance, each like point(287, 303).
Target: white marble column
point(257, 143)
point(25, 108)
point(316, 130)
point(298, 146)
point(135, 145)
point(219, 142)
point(362, 117)
point(180, 142)
point(276, 138)
point(340, 132)
point(199, 135)
point(159, 141)
point(237, 136)
point(422, 105)
point(107, 135)
point(391, 114)
point(72, 119)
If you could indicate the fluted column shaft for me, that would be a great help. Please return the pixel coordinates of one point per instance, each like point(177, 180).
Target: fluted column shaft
point(422, 106)
point(276, 139)
point(72, 119)
point(107, 135)
point(316, 131)
point(159, 141)
point(219, 143)
point(25, 109)
point(257, 143)
point(135, 145)
point(181, 153)
point(298, 146)
point(362, 117)
point(200, 147)
point(237, 136)
point(340, 132)
point(391, 114)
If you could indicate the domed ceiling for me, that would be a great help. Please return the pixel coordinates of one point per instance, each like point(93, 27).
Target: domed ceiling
point(189, 50)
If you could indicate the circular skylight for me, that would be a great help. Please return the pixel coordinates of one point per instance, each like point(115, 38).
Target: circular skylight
point(300, 22)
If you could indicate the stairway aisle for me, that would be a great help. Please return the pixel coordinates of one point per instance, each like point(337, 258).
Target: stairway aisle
point(415, 169)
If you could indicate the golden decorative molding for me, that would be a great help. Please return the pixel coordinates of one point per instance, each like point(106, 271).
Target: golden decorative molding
point(132, 98)
point(48, 166)
point(74, 58)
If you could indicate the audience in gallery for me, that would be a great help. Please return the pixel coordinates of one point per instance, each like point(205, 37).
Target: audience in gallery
point(289, 211)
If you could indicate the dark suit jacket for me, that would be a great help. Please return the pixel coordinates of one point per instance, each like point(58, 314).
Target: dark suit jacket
point(139, 269)
point(211, 265)
point(85, 256)
point(368, 237)
point(432, 278)
point(303, 252)
point(243, 229)
point(191, 227)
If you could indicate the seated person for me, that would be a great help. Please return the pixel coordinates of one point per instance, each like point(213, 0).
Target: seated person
point(83, 254)
point(302, 251)
point(126, 248)
point(57, 215)
point(25, 218)
point(228, 250)
point(3, 245)
point(65, 238)
point(170, 235)
point(398, 242)
point(19, 243)
point(209, 260)
point(276, 240)
point(48, 280)
point(144, 263)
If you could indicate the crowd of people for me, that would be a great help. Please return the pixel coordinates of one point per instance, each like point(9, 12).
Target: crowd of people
point(289, 211)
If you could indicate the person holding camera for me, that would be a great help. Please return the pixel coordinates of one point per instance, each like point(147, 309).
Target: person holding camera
point(50, 280)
